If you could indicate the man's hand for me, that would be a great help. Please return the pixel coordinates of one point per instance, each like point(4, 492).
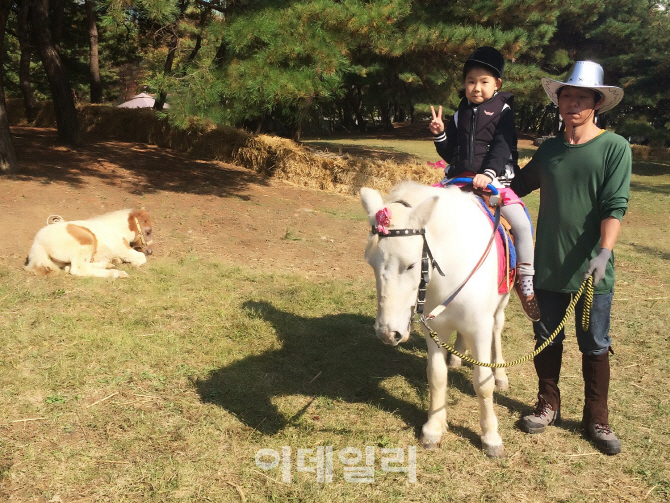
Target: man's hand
point(480, 181)
point(598, 265)
point(436, 126)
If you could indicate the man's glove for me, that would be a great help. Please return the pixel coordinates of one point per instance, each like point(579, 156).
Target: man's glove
point(598, 265)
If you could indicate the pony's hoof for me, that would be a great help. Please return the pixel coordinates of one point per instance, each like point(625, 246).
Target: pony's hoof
point(494, 451)
point(502, 384)
point(430, 446)
point(430, 443)
point(119, 274)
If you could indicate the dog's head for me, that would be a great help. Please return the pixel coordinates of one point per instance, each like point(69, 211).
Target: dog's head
point(139, 221)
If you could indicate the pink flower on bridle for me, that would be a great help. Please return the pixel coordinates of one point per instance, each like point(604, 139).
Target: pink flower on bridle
point(383, 221)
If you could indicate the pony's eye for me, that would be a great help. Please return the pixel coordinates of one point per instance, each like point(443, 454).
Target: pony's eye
point(411, 267)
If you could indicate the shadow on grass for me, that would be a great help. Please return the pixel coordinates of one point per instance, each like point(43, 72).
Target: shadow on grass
point(656, 188)
point(648, 250)
point(336, 357)
point(651, 168)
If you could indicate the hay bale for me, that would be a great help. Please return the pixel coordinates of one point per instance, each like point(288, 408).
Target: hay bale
point(16, 113)
point(286, 160)
point(659, 153)
point(640, 152)
point(271, 156)
point(647, 153)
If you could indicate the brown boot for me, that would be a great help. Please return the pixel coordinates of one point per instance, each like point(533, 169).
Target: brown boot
point(528, 302)
point(595, 419)
point(548, 408)
point(543, 415)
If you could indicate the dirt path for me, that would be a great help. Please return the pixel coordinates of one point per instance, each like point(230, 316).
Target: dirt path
point(205, 207)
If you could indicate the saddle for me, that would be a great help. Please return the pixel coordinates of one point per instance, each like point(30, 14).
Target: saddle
point(506, 252)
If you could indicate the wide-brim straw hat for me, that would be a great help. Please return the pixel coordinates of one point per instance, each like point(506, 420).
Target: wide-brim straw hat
point(587, 74)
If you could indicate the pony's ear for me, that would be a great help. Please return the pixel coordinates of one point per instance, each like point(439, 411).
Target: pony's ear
point(420, 216)
point(372, 201)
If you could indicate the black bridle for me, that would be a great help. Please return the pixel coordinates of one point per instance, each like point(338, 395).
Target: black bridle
point(426, 257)
point(427, 260)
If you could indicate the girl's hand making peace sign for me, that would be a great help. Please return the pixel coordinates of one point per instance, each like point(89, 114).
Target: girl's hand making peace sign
point(436, 125)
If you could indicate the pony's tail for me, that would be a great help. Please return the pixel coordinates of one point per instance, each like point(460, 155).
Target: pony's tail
point(39, 262)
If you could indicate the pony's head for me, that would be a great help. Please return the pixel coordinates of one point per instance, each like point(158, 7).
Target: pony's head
point(141, 224)
point(395, 259)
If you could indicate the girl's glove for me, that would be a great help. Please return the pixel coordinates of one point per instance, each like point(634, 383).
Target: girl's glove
point(598, 265)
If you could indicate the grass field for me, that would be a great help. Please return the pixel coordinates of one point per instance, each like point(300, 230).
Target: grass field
point(420, 150)
point(165, 387)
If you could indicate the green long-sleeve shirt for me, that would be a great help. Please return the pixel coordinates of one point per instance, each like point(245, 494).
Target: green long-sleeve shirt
point(581, 185)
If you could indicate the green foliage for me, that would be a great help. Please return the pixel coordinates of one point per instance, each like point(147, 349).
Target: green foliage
point(282, 66)
point(641, 130)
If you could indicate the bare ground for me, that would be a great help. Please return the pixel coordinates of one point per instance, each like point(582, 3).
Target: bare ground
point(205, 207)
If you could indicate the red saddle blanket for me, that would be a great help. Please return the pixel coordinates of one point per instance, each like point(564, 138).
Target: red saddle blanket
point(504, 250)
point(506, 273)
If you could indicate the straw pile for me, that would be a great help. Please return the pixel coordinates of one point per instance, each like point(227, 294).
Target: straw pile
point(269, 155)
point(287, 160)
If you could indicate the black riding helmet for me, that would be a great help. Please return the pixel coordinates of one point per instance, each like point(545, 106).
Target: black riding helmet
point(487, 57)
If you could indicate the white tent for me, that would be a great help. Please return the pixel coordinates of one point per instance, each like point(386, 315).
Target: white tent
point(142, 100)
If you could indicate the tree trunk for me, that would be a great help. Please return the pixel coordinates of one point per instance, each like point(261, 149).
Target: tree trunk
point(8, 162)
point(541, 128)
point(61, 92)
point(167, 69)
point(385, 114)
point(24, 62)
point(358, 109)
point(198, 40)
point(94, 64)
point(297, 132)
point(56, 13)
point(220, 55)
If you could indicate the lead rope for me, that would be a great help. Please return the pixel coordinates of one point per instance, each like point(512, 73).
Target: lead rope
point(586, 288)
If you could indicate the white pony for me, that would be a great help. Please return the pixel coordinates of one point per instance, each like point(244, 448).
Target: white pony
point(92, 247)
point(456, 232)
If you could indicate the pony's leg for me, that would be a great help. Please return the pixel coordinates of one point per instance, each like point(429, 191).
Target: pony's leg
point(484, 383)
point(102, 265)
point(453, 360)
point(501, 381)
point(434, 428)
point(80, 266)
point(133, 257)
point(84, 269)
